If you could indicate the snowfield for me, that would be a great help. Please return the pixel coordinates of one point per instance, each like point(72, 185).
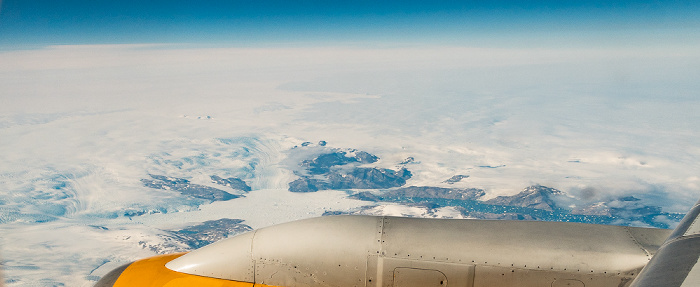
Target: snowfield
point(80, 126)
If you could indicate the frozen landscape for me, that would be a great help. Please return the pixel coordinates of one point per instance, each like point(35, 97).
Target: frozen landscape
point(136, 150)
point(135, 128)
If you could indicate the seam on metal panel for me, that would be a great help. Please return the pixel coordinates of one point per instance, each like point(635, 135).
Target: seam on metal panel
point(680, 238)
point(381, 236)
point(252, 256)
point(634, 239)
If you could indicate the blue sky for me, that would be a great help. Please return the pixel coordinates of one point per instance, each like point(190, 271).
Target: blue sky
point(241, 22)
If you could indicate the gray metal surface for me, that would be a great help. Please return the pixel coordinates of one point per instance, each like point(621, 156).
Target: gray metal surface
point(226, 259)
point(392, 251)
point(676, 263)
point(327, 251)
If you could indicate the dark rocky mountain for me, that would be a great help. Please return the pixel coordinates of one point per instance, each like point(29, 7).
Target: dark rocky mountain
point(337, 170)
point(438, 192)
point(533, 203)
point(422, 192)
point(232, 182)
point(536, 196)
point(323, 163)
point(195, 236)
point(455, 179)
point(306, 184)
point(623, 207)
point(368, 178)
point(210, 231)
point(184, 187)
point(357, 178)
point(496, 216)
point(365, 157)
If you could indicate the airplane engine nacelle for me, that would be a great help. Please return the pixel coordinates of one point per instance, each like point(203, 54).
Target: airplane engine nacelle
point(390, 251)
point(329, 252)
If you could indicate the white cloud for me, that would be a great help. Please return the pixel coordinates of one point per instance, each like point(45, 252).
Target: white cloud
point(623, 121)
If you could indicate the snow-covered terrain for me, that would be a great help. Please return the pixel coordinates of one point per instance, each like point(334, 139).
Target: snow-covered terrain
point(82, 126)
